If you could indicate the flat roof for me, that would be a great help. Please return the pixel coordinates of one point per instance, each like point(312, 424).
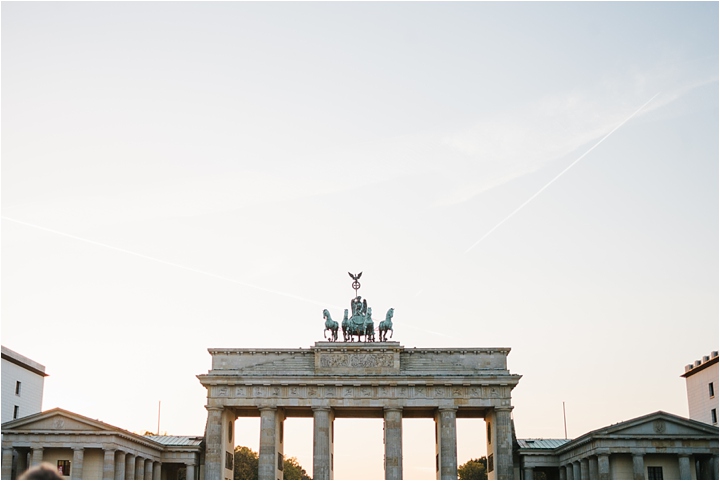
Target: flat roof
point(22, 361)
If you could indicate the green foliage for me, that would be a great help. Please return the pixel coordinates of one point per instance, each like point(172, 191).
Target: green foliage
point(474, 469)
point(293, 470)
point(246, 465)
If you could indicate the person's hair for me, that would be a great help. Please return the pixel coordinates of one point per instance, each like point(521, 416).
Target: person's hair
point(42, 471)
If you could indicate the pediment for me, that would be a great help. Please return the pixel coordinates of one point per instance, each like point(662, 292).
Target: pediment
point(660, 424)
point(56, 420)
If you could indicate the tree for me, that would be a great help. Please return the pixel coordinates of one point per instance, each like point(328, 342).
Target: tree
point(246, 463)
point(293, 470)
point(474, 469)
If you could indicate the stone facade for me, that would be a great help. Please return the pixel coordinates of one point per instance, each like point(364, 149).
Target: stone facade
point(383, 380)
point(90, 449)
point(654, 446)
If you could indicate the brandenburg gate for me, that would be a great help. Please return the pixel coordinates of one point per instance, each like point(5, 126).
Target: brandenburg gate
point(358, 379)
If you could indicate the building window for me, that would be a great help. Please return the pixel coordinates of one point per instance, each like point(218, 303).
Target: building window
point(713, 415)
point(655, 472)
point(63, 465)
point(16, 412)
point(18, 384)
point(711, 389)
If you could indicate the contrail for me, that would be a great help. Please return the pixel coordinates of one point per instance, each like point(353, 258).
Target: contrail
point(198, 271)
point(561, 173)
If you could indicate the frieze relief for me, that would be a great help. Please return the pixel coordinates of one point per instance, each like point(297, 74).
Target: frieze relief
point(356, 360)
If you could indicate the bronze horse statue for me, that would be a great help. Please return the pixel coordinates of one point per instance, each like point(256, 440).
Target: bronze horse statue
point(331, 326)
point(386, 325)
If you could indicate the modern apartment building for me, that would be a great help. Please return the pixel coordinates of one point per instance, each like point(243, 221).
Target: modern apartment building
point(701, 379)
point(23, 381)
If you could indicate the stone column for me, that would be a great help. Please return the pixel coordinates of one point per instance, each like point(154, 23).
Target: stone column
point(593, 466)
point(130, 466)
point(684, 465)
point(584, 469)
point(576, 469)
point(7, 461)
point(139, 468)
point(569, 471)
point(36, 456)
point(214, 446)
point(446, 443)
point(503, 443)
point(109, 464)
point(603, 466)
point(638, 466)
point(190, 470)
point(148, 469)
point(157, 470)
point(528, 472)
point(322, 443)
point(77, 463)
point(562, 472)
point(270, 459)
point(393, 443)
point(713, 467)
point(120, 465)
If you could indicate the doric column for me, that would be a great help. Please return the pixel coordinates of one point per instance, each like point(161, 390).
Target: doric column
point(109, 464)
point(36, 456)
point(584, 469)
point(130, 467)
point(528, 472)
point(139, 467)
point(603, 466)
point(7, 461)
point(684, 465)
point(638, 466)
point(446, 444)
point(593, 466)
point(214, 446)
point(157, 470)
point(502, 438)
point(270, 459)
point(77, 463)
point(190, 470)
point(393, 443)
point(120, 460)
point(713, 467)
point(148, 469)
point(569, 471)
point(322, 443)
point(562, 472)
point(576, 469)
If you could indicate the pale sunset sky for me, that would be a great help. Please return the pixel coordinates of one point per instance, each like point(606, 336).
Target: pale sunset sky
point(178, 176)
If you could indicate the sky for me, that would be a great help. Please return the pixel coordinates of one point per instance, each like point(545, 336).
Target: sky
point(184, 176)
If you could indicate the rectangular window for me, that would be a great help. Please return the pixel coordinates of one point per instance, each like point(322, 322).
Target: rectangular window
point(655, 472)
point(18, 384)
point(228, 460)
point(491, 464)
point(713, 415)
point(16, 412)
point(63, 465)
point(711, 389)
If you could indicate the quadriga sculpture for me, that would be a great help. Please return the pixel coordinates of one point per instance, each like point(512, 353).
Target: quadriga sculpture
point(386, 325)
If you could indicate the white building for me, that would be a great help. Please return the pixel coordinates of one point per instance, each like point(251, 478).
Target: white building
point(701, 380)
point(23, 381)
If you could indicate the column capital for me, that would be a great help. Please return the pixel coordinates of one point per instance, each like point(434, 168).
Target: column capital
point(321, 408)
point(447, 409)
point(215, 408)
point(393, 408)
point(267, 408)
point(503, 408)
